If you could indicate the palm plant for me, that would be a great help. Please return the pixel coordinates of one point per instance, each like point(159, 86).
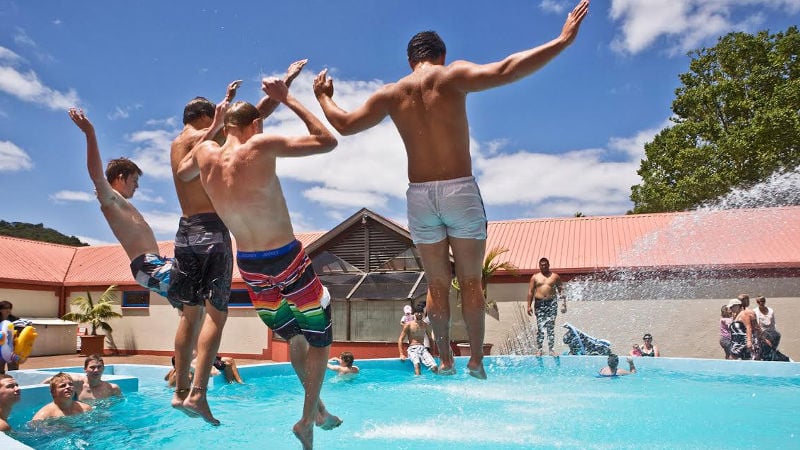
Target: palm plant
point(95, 313)
point(490, 266)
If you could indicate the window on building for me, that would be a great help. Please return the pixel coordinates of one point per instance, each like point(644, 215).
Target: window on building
point(135, 299)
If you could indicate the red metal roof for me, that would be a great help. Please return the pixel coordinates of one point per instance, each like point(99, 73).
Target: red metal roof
point(729, 239)
point(32, 262)
point(106, 265)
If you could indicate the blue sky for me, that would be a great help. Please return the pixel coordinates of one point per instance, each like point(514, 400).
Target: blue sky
point(568, 138)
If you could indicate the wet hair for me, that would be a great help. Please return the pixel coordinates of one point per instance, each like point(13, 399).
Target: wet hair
point(5, 304)
point(57, 378)
point(419, 309)
point(613, 360)
point(3, 376)
point(197, 108)
point(425, 46)
point(347, 358)
point(543, 259)
point(121, 166)
point(91, 358)
point(725, 311)
point(241, 114)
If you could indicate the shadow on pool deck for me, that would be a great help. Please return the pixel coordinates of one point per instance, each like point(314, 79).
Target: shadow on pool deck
point(43, 362)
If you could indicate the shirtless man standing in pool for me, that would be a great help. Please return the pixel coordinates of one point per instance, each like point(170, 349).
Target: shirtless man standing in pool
point(544, 291)
point(241, 182)
point(201, 282)
point(445, 210)
point(416, 332)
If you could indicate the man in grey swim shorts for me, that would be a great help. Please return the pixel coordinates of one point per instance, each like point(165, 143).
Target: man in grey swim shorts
point(428, 107)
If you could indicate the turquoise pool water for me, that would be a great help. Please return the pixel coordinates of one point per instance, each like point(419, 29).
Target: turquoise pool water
point(526, 403)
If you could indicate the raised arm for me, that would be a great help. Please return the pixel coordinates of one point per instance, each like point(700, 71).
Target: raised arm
point(319, 139)
point(268, 104)
point(471, 77)
point(367, 116)
point(94, 163)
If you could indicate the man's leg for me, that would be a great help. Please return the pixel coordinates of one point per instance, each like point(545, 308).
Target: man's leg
point(468, 255)
point(309, 364)
point(540, 323)
point(185, 339)
point(207, 347)
point(550, 325)
point(436, 262)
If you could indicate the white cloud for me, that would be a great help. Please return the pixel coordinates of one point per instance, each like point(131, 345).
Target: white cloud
point(73, 196)
point(372, 163)
point(345, 199)
point(687, 24)
point(152, 155)
point(13, 158)
point(555, 6)
point(162, 222)
point(122, 112)
point(146, 195)
point(369, 168)
point(27, 87)
point(170, 122)
point(56, 22)
point(8, 55)
point(22, 38)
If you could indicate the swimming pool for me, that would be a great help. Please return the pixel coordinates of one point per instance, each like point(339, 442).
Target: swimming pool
point(526, 403)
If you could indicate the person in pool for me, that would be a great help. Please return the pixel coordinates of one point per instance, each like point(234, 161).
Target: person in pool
point(9, 396)
point(611, 369)
point(90, 386)
point(62, 389)
point(344, 365)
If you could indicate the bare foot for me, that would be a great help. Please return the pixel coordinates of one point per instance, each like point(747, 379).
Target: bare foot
point(197, 403)
point(305, 434)
point(552, 353)
point(328, 421)
point(177, 401)
point(476, 369)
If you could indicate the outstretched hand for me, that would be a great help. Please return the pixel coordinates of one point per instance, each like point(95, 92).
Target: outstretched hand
point(275, 88)
point(231, 91)
point(80, 120)
point(323, 85)
point(573, 23)
point(294, 70)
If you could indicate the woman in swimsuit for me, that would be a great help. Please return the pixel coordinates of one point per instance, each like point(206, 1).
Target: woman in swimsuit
point(648, 349)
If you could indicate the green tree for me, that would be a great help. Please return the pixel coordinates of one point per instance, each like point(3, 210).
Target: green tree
point(95, 313)
point(736, 121)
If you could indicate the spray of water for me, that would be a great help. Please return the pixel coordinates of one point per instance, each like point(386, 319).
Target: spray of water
point(631, 279)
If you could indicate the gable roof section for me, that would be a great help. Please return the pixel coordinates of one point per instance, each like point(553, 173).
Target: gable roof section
point(364, 240)
point(31, 262)
point(724, 239)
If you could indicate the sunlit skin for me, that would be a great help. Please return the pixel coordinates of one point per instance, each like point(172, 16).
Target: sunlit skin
point(9, 396)
point(62, 388)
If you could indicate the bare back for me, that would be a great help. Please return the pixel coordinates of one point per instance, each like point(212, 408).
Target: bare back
point(431, 116)
point(247, 193)
point(128, 225)
point(191, 196)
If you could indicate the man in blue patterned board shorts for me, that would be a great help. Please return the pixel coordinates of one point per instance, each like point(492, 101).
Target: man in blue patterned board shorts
point(428, 107)
point(114, 187)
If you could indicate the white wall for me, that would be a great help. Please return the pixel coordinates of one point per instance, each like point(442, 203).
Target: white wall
point(28, 304)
